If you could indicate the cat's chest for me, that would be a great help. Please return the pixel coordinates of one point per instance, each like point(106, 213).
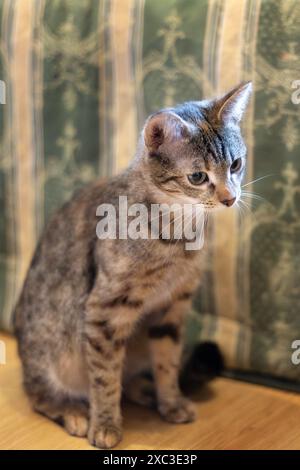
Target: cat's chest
point(166, 279)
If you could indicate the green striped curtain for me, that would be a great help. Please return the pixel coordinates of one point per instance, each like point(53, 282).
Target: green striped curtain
point(82, 75)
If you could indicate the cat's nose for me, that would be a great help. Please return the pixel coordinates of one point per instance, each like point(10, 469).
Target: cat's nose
point(229, 202)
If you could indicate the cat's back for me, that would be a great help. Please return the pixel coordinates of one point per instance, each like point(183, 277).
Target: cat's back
point(58, 278)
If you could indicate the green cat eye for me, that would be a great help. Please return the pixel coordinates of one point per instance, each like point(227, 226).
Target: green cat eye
point(198, 177)
point(236, 165)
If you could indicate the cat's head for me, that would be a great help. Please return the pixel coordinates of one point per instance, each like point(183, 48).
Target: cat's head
point(195, 151)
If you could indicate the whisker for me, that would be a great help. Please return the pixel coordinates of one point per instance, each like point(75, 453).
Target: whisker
point(252, 200)
point(257, 179)
point(253, 196)
point(245, 205)
point(244, 210)
point(241, 210)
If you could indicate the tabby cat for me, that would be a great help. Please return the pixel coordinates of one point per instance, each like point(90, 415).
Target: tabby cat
point(95, 315)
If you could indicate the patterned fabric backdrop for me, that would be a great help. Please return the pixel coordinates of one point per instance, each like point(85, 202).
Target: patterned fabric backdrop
point(81, 76)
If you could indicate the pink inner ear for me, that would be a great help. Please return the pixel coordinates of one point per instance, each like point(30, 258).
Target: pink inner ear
point(157, 135)
point(155, 131)
point(163, 127)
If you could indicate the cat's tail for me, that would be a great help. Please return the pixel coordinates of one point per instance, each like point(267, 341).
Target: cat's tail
point(202, 364)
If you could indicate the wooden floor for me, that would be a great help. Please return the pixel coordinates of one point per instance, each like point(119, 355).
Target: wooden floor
point(232, 415)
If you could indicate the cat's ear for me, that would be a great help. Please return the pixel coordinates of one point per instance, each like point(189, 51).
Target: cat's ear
point(232, 105)
point(164, 127)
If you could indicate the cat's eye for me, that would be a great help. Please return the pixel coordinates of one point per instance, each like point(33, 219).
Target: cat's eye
point(236, 165)
point(198, 177)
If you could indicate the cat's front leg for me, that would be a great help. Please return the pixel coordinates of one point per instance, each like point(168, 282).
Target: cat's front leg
point(166, 344)
point(107, 328)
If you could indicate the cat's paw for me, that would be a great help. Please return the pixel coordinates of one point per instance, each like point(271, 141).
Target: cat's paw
point(105, 436)
point(180, 411)
point(76, 424)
